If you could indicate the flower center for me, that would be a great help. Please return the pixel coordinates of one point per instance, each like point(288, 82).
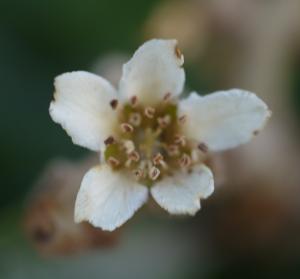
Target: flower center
point(149, 142)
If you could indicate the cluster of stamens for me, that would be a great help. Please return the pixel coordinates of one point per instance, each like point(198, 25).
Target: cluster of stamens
point(149, 142)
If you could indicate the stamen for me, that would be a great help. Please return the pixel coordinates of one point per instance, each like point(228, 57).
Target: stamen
point(135, 119)
point(149, 112)
point(182, 119)
point(154, 173)
point(133, 101)
point(173, 150)
point(138, 174)
point(114, 103)
point(164, 121)
point(129, 146)
point(109, 140)
point(179, 139)
point(113, 162)
point(126, 128)
point(157, 159)
point(185, 160)
point(178, 52)
point(134, 156)
point(203, 147)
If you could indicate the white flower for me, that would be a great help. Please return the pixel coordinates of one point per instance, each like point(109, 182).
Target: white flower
point(149, 139)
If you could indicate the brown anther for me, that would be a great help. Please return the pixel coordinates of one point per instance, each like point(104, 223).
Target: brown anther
point(133, 101)
point(256, 132)
point(157, 159)
point(113, 162)
point(126, 128)
point(178, 52)
point(163, 122)
point(180, 140)
point(185, 160)
point(114, 103)
point(154, 173)
point(138, 174)
point(134, 156)
point(173, 150)
point(135, 119)
point(109, 140)
point(182, 119)
point(149, 112)
point(167, 96)
point(203, 147)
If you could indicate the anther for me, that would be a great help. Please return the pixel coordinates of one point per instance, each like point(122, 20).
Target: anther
point(138, 174)
point(154, 173)
point(180, 140)
point(134, 156)
point(203, 147)
point(157, 159)
point(185, 160)
point(126, 128)
point(149, 112)
point(164, 121)
point(178, 52)
point(133, 101)
point(113, 162)
point(167, 96)
point(129, 146)
point(109, 140)
point(173, 150)
point(114, 103)
point(182, 119)
point(135, 119)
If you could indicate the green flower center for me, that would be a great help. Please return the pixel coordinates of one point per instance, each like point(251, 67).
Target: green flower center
point(149, 142)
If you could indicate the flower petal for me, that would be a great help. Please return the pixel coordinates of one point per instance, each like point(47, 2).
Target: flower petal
point(224, 119)
point(154, 70)
point(181, 193)
point(107, 199)
point(81, 106)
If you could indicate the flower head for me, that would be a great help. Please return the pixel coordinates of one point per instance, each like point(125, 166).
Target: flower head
point(147, 138)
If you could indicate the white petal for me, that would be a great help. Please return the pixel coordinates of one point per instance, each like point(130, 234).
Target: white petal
point(181, 193)
point(107, 198)
point(81, 106)
point(224, 119)
point(154, 70)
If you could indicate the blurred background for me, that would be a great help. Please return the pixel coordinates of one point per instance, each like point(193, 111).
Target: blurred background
point(249, 228)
